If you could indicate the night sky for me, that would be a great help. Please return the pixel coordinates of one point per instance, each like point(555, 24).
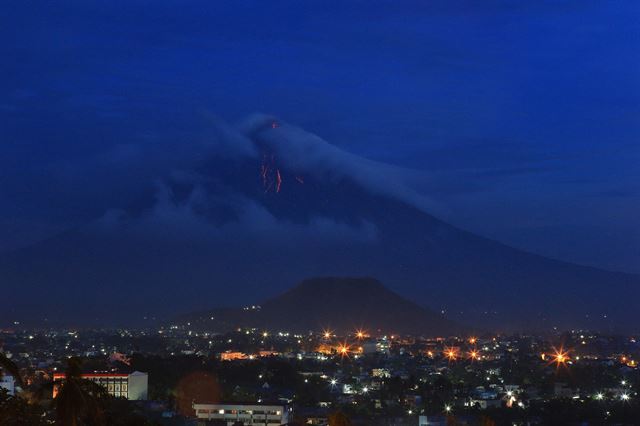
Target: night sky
point(521, 117)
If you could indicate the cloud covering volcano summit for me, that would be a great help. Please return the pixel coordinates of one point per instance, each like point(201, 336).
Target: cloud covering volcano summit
point(248, 210)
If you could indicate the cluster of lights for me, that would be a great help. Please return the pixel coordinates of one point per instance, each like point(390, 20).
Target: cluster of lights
point(559, 357)
point(624, 396)
point(511, 399)
point(450, 353)
point(344, 349)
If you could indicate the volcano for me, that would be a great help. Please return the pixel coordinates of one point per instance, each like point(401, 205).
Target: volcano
point(267, 205)
point(339, 304)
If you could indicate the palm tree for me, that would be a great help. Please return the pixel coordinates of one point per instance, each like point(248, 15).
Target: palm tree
point(78, 401)
point(10, 367)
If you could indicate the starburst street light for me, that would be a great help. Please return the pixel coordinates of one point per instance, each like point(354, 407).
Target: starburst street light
point(599, 396)
point(343, 349)
point(447, 408)
point(624, 397)
point(560, 357)
point(451, 354)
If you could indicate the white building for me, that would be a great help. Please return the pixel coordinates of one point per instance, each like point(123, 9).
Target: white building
point(423, 421)
point(9, 383)
point(255, 415)
point(134, 386)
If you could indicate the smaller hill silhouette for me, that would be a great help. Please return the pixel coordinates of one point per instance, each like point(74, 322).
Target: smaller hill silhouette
point(339, 304)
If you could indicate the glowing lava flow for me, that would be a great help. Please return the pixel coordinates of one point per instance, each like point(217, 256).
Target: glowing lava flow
point(269, 174)
point(278, 180)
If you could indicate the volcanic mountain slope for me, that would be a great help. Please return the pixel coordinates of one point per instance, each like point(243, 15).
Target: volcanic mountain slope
point(266, 205)
point(341, 305)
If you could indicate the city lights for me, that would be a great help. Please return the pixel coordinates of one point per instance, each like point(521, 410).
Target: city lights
point(560, 357)
point(320, 213)
point(451, 354)
point(360, 373)
point(344, 349)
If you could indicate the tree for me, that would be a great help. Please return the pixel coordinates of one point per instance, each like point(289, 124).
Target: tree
point(339, 419)
point(79, 401)
point(16, 411)
point(10, 367)
point(197, 387)
point(487, 421)
point(452, 421)
point(118, 412)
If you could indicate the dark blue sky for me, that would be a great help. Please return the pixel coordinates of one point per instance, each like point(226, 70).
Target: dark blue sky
point(525, 114)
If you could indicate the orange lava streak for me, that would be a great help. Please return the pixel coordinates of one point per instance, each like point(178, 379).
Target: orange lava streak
point(278, 180)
